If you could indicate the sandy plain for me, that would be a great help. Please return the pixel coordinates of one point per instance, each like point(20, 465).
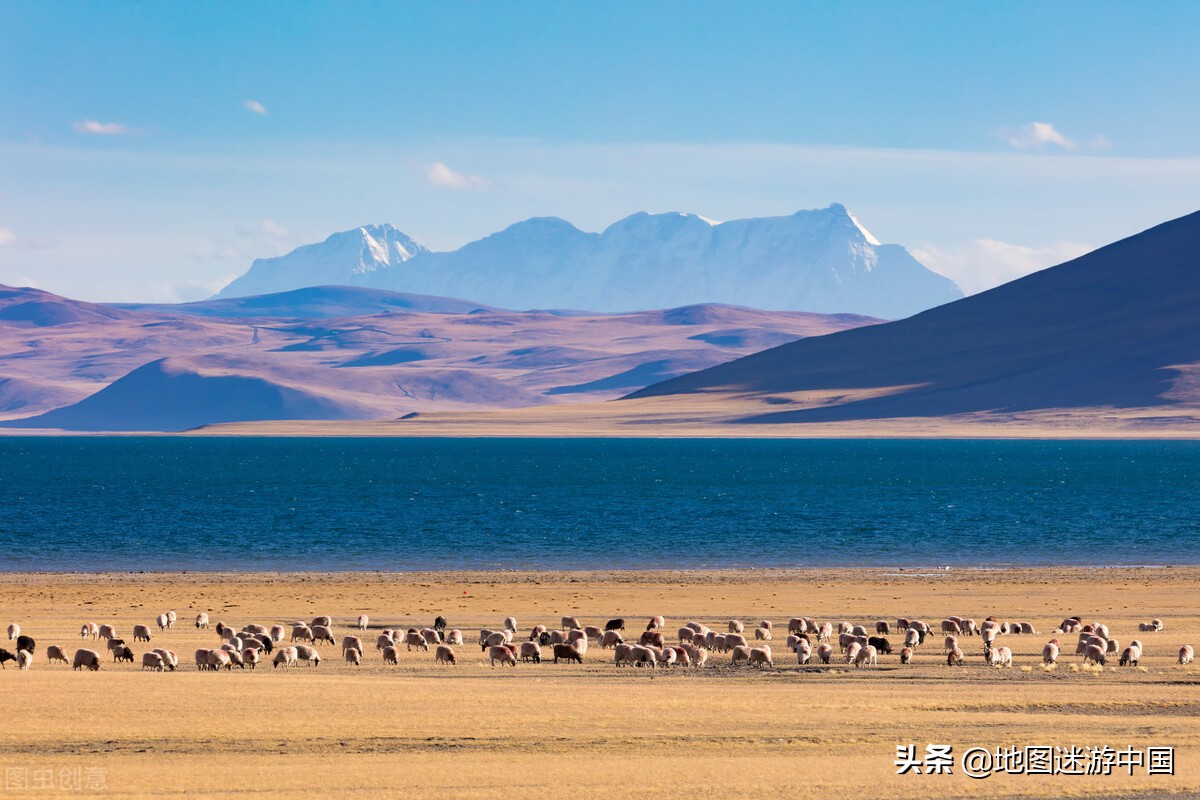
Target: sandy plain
point(471, 731)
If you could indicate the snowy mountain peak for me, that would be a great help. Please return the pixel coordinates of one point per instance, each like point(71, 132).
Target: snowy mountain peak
point(821, 260)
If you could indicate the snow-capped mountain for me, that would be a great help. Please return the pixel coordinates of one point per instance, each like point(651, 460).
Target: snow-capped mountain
point(821, 261)
point(344, 259)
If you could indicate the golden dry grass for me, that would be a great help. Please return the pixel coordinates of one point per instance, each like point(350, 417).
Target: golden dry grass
point(473, 731)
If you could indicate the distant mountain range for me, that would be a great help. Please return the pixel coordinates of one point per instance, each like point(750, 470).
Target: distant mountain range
point(344, 353)
point(819, 261)
point(1117, 329)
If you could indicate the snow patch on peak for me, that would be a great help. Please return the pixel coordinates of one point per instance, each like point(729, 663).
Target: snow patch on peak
point(866, 233)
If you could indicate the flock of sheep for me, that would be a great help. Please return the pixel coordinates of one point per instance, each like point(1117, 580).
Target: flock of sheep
point(254, 643)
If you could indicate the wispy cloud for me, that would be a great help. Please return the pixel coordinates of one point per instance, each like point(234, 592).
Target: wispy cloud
point(438, 174)
point(11, 240)
point(8, 238)
point(254, 106)
point(90, 127)
point(1036, 135)
point(982, 264)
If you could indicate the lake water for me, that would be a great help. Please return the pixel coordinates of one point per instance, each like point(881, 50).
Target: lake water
point(130, 503)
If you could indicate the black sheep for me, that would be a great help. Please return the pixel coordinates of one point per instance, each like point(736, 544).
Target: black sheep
point(6, 656)
point(26, 643)
point(615, 625)
point(881, 644)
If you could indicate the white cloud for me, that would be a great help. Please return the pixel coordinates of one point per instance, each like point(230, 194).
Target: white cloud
point(90, 127)
point(254, 106)
point(273, 228)
point(187, 291)
point(8, 238)
point(438, 174)
point(1037, 135)
point(982, 264)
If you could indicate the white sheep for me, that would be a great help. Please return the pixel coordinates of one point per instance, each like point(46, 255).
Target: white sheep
point(736, 626)
point(502, 654)
point(14, 630)
point(391, 655)
point(622, 653)
point(384, 640)
point(1094, 654)
point(740, 653)
point(825, 632)
point(656, 623)
point(867, 657)
point(55, 653)
point(1186, 654)
point(955, 657)
point(951, 643)
point(141, 633)
point(284, 657)
point(107, 632)
point(443, 655)
point(162, 622)
point(824, 652)
point(152, 661)
point(570, 623)
point(1000, 657)
point(353, 655)
point(906, 654)
point(277, 633)
point(415, 639)
point(1132, 654)
point(323, 619)
point(170, 660)
point(301, 632)
point(733, 640)
point(454, 636)
point(171, 617)
point(1050, 652)
point(803, 651)
point(761, 656)
point(89, 630)
point(510, 624)
point(250, 657)
point(762, 634)
point(322, 634)
point(363, 619)
point(24, 659)
point(912, 638)
point(697, 655)
point(686, 634)
point(202, 620)
point(308, 655)
point(852, 652)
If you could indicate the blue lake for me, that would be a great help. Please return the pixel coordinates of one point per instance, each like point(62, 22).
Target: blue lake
point(175, 503)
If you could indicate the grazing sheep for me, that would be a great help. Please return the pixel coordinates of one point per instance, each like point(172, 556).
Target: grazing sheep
point(502, 654)
point(825, 632)
point(493, 639)
point(654, 638)
point(391, 655)
point(26, 643)
point(794, 641)
point(1130, 656)
point(88, 659)
point(1050, 652)
point(570, 623)
point(55, 653)
point(89, 630)
point(567, 653)
point(443, 655)
point(353, 655)
point(740, 653)
point(120, 653)
point(235, 657)
point(415, 639)
point(1112, 646)
point(285, 657)
point(686, 634)
point(951, 643)
point(576, 636)
point(141, 633)
point(202, 620)
point(615, 625)
point(968, 627)
point(611, 639)
point(766, 623)
point(1101, 630)
point(152, 661)
point(308, 655)
point(803, 651)
point(844, 627)
point(678, 656)
point(1071, 625)
point(363, 619)
point(1157, 623)
point(901, 623)
point(867, 657)
point(1027, 628)
point(171, 617)
point(201, 657)
point(623, 654)
point(250, 657)
point(643, 656)
point(439, 623)
point(536, 632)
point(733, 640)
point(906, 654)
point(949, 626)
point(954, 658)
point(352, 643)
point(853, 650)
point(454, 636)
point(912, 638)
point(824, 652)
point(1000, 657)
point(761, 657)
point(163, 622)
point(882, 627)
point(859, 630)
point(1094, 654)
point(1186, 654)
point(277, 633)
point(301, 632)
point(107, 632)
point(795, 625)
point(762, 634)
point(14, 630)
point(531, 651)
point(24, 659)
point(112, 644)
point(881, 645)
point(325, 620)
point(698, 656)
point(322, 634)
point(592, 632)
point(736, 626)
point(656, 623)
point(510, 624)
point(434, 636)
point(384, 640)
point(169, 658)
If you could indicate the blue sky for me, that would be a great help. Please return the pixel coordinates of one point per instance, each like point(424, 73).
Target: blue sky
point(150, 151)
